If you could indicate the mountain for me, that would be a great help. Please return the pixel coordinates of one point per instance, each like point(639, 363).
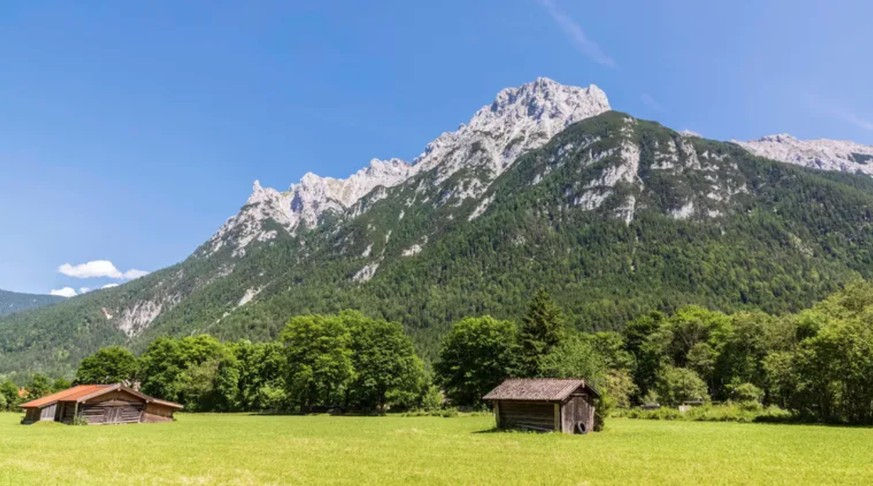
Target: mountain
point(838, 155)
point(11, 302)
point(544, 187)
point(518, 120)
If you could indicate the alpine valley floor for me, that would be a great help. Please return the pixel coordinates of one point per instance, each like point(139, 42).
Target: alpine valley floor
point(245, 449)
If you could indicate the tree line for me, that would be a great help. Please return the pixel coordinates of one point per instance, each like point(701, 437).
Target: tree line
point(815, 363)
point(343, 362)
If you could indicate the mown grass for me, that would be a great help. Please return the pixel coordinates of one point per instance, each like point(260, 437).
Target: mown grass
point(242, 449)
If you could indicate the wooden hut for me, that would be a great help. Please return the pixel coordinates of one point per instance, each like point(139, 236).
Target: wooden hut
point(99, 404)
point(544, 404)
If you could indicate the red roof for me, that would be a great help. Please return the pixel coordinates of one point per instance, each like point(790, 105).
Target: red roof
point(68, 395)
point(81, 393)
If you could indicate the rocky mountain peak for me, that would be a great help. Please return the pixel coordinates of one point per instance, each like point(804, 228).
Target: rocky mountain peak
point(516, 121)
point(519, 119)
point(824, 154)
point(543, 99)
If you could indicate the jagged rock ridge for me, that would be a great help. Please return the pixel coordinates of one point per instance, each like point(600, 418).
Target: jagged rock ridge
point(824, 154)
point(519, 119)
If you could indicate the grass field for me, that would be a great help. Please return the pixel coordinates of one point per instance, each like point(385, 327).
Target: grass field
point(242, 449)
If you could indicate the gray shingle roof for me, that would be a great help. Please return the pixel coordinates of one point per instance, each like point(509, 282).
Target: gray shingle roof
point(537, 389)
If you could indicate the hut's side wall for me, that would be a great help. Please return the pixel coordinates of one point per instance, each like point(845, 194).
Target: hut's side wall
point(48, 413)
point(526, 415)
point(155, 412)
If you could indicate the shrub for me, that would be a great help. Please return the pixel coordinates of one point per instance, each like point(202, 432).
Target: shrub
point(726, 412)
point(446, 412)
point(677, 385)
point(619, 385)
point(433, 398)
point(79, 420)
point(449, 412)
point(746, 393)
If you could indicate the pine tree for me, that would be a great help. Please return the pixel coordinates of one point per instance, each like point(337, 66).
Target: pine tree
point(541, 330)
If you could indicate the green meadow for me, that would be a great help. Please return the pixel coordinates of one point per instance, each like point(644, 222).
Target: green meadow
point(245, 449)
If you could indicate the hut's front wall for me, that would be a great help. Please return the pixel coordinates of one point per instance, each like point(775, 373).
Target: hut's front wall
point(117, 407)
point(526, 415)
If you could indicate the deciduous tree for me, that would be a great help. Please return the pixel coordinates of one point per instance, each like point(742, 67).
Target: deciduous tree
point(113, 364)
point(476, 355)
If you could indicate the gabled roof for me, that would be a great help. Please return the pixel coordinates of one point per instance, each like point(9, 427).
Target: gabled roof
point(538, 389)
point(70, 394)
point(81, 393)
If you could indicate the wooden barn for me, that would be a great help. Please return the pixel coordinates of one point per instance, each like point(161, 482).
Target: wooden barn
point(99, 404)
point(544, 404)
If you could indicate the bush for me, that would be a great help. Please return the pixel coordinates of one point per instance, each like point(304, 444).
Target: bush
point(746, 393)
point(678, 385)
point(619, 385)
point(446, 412)
point(449, 412)
point(726, 412)
point(663, 413)
point(433, 399)
point(79, 420)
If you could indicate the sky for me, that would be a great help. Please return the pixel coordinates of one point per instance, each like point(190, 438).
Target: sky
point(130, 131)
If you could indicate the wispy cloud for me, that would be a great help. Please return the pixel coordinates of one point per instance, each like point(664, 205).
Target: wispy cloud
point(98, 269)
point(839, 112)
point(576, 33)
point(856, 120)
point(651, 102)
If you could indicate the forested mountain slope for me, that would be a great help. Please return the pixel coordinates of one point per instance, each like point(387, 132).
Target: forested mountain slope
point(614, 216)
point(11, 302)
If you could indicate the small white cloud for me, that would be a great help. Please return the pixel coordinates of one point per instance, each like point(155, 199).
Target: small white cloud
point(99, 269)
point(109, 286)
point(134, 273)
point(92, 269)
point(64, 292)
point(577, 35)
point(84, 290)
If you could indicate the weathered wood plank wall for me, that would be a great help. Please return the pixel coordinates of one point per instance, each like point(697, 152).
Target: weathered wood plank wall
point(527, 415)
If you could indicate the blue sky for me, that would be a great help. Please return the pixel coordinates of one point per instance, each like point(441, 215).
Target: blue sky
point(129, 131)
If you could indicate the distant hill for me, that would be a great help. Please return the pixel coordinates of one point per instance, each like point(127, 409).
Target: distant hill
point(11, 302)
